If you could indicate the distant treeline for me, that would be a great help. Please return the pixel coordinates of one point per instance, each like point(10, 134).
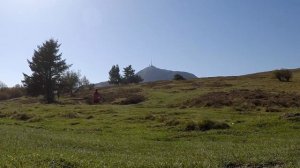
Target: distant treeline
point(11, 93)
point(128, 77)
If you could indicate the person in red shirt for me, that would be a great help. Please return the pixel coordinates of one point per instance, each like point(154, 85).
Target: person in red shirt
point(96, 96)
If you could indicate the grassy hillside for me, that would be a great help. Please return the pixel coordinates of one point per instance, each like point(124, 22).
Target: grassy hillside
point(247, 121)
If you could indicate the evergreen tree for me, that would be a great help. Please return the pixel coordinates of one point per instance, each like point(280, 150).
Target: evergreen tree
point(130, 76)
point(114, 75)
point(47, 66)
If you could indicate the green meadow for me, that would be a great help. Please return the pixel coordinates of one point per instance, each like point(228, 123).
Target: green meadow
point(246, 121)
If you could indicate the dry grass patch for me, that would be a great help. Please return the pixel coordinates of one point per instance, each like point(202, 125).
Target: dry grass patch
point(246, 97)
point(132, 99)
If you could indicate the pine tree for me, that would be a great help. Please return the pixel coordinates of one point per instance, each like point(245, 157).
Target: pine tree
point(114, 75)
point(47, 66)
point(130, 76)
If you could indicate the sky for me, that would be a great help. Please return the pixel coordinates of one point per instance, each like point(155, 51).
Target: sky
point(204, 37)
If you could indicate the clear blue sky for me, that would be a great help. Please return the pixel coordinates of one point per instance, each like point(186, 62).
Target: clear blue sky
point(204, 37)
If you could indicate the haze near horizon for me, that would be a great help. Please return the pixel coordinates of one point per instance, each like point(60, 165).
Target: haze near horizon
point(203, 37)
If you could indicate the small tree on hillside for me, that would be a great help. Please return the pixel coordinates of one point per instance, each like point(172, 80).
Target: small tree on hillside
point(178, 77)
point(84, 81)
point(283, 75)
point(70, 81)
point(130, 76)
point(114, 75)
point(47, 66)
point(2, 85)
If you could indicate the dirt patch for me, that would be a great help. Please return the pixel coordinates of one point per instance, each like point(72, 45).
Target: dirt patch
point(246, 97)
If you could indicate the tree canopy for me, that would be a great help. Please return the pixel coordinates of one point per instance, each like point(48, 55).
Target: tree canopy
point(283, 75)
point(114, 75)
point(130, 76)
point(47, 67)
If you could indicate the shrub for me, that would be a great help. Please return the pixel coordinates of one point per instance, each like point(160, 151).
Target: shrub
point(132, 99)
point(11, 93)
point(178, 77)
point(283, 75)
point(205, 125)
point(208, 125)
point(190, 126)
point(4, 95)
point(21, 116)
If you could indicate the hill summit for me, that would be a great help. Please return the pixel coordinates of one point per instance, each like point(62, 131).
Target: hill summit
point(153, 73)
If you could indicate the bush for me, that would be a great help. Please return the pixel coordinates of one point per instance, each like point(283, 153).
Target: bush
point(178, 77)
point(283, 75)
point(205, 125)
point(133, 99)
point(191, 126)
point(11, 93)
point(21, 116)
